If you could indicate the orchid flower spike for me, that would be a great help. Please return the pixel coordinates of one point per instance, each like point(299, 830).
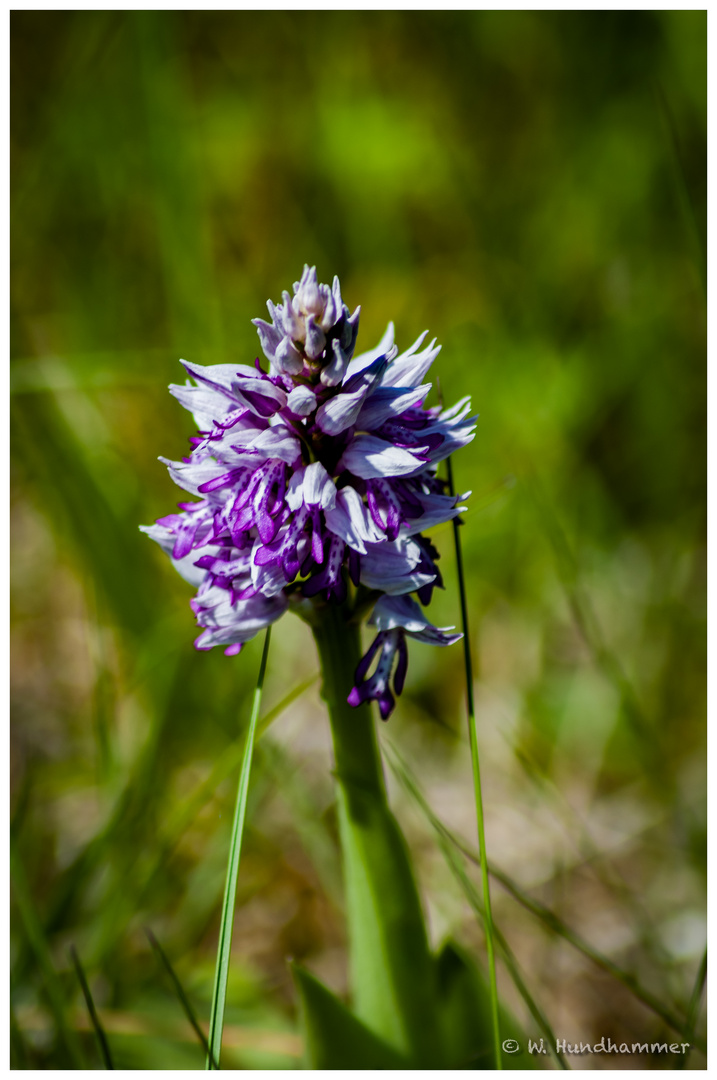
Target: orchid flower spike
point(316, 474)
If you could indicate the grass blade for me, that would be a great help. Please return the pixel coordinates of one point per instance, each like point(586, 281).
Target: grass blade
point(38, 946)
point(556, 924)
point(549, 918)
point(216, 1022)
point(475, 761)
point(183, 816)
point(99, 1031)
point(684, 195)
point(179, 989)
point(451, 854)
point(694, 1008)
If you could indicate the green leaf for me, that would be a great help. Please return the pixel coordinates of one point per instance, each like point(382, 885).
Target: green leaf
point(392, 972)
point(335, 1038)
point(466, 1017)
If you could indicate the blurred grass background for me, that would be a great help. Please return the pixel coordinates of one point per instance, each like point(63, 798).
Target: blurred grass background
point(530, 187)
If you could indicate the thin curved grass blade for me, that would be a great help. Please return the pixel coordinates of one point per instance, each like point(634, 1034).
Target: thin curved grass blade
point(94, 1018)
point(181, 994)
point(216, 1023)
point(454, 858)
point(552, 921)
point(693, 1011)
point(475, 760)
point(39, 948)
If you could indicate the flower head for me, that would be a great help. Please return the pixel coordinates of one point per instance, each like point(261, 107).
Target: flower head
point(318, 472)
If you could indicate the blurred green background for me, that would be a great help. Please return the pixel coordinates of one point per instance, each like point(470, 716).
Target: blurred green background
point(530, 187)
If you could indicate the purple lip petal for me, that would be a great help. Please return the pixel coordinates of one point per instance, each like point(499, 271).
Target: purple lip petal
point(221, 481)
point(313, 586)
point(365, 662)
point(264, 406)
point(381, 496)
point(183, 544)
point(290, 566)
point(267, 526)
point(357, 696)
point(267, 555)
point(317, 545)
point(390, 643)
point(385, 704)
point(401, 667)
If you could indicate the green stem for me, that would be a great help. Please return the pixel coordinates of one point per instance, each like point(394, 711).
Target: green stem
point(392, 971)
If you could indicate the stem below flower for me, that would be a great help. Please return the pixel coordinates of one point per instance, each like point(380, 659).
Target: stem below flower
point(393, 976)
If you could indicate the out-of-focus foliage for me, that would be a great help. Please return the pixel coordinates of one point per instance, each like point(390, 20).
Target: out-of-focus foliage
point(531, 187)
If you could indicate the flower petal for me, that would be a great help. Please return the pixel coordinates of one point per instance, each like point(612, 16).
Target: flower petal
point(364, 359)
point(390, 401)
point(410, 367)
point(392, 567)
point(350, 520)
point(368, 456)
point(301, 401)
point(340, 412)
point(391, 612)
point(277, 442)
point(319, 488)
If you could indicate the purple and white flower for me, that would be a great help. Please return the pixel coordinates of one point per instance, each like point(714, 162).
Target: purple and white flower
point(317, 473)
point(394, 617)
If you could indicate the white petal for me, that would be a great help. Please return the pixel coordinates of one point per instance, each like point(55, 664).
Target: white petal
point(409, 368)
point(389, 401)
point(295, 489)
point(190, 475)
point(364, 359)
point(351, 520)
point(301, 401)
point(340, 412)
point(368, 456)
point(204, 403)
point(390, 567)
point(276, 442)
point(269, 580)
point(319, 488)
point(394, 611)
point(287, 358)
